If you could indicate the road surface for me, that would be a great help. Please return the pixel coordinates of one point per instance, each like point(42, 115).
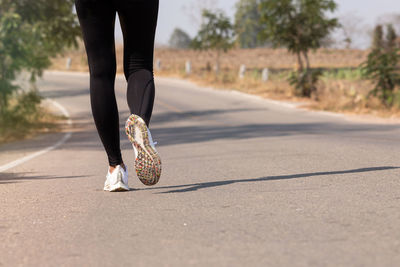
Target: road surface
point(245, 182)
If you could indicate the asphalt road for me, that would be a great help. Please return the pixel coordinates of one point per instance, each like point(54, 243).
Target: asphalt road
point(245, 182)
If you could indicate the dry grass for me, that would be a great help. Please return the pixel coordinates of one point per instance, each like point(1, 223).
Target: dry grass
point(259, 58)
point(341, 94)
point(174, 60)
point(45, 122)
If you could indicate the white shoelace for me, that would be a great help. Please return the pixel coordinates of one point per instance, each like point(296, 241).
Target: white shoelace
point(151, 138)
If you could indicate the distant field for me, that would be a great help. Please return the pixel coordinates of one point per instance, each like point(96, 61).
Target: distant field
point(340, 89)
point(174, 60)
point(260, 58)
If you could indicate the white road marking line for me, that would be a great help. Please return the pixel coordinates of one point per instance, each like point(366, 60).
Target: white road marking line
point(47, 149)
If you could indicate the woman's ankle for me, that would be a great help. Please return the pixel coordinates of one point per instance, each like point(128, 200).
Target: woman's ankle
point(111, 168)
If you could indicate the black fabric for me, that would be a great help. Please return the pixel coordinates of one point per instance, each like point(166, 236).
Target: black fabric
point(138, 22)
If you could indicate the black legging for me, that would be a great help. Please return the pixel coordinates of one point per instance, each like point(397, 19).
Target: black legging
point(138, 22)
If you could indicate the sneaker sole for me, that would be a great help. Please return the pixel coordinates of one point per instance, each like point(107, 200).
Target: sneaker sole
point(148, 162)
point(118, 187)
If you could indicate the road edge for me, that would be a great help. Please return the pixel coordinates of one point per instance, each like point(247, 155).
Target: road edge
point(356, 118)
point(65, 137)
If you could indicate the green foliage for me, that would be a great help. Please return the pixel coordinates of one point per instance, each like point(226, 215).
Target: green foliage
point(26, 108)
point(342, 74)
point(179, 39)
point(23, 111)
point(377, 41)
point(396, 99)
point(300, 26)
point(382, 66)
point(31, 32)
point(25, 116)
point(391, 37)
point(305, 82)
point(247, 24)
point(215, 33)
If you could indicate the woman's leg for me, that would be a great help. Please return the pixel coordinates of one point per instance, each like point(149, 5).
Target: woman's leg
point(138, 22)
point(97, 20)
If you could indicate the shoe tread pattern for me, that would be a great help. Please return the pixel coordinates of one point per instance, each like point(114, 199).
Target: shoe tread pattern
point(148, 162)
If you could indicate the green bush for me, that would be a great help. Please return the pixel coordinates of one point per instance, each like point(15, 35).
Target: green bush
point(31, 32)
point(301, 26)
point(342, 74)
point(23, 110)
point(382, 66)
point(396, 99)
point(305, 83)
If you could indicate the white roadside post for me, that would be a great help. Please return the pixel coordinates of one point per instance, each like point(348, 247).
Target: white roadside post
point(158, 64)
point(68, 65)
point(265, 75)
point(188, 67)
point(242, 71)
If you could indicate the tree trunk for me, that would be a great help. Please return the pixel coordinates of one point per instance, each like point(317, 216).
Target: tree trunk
point(3, 99)
point(307, 91)
point(300, 67)
point(307, 60)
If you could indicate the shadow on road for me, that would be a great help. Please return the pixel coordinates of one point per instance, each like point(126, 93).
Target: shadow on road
point(65, 93)
point(204, 132)
point(8, 178)
point(197, 186)
point(85, 136)
point(195, 134)
point(195, 114)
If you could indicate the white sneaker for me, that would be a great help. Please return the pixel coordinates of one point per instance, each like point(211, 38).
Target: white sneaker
point(117, 180)
point(147, 160)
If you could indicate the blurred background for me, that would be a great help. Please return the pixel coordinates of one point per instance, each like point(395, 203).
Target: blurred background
point(357, 17)
point(331, 55)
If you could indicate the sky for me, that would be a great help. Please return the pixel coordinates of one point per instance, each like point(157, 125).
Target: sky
point(179, 13)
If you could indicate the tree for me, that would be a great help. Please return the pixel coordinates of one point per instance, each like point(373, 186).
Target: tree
point(381, 65)
point(300, 26)
point(179, 39)
point(391, 37)
point(215, 33)
point(328, 42)
point(192, 8)
point(390, 18)
point(31, 32)
point(377, 39)
point(351, 31)
point(247, 24)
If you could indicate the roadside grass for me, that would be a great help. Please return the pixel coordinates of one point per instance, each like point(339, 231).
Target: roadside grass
point(25, 117)
point(258, 58)
point(344, 91)
point(340, 89)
